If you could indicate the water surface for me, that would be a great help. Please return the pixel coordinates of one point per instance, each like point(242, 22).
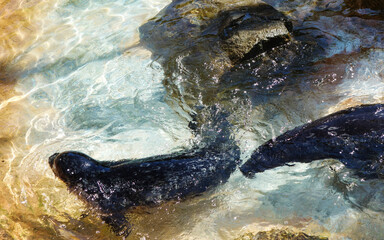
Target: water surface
point(82, 81)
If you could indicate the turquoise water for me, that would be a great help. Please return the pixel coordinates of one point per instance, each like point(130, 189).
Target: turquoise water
point(88, 85)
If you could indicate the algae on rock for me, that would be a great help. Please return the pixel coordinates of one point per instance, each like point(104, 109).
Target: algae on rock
point(279, 234)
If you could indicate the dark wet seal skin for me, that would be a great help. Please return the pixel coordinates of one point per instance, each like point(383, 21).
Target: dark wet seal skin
point(354, 136)
point(114, 187)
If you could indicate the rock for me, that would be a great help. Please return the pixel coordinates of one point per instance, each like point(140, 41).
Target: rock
point(201, 40)
point(277, 234)
point(216, 25)
point(249, 31)
point(362, 4)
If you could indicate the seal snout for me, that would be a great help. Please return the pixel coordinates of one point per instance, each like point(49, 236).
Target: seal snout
point(71, 166)
point(65, 165)
point(52, 159)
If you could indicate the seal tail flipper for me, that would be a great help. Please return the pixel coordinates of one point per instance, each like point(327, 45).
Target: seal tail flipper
point(118, 223)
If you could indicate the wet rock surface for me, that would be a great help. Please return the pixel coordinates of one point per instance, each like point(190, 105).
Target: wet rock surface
point(200, 41)
point(248, 31)
point(192, 26)
point(216, 51)
point(279, 234)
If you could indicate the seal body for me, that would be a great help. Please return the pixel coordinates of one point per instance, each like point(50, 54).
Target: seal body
point(354, 136)
point(113, 187)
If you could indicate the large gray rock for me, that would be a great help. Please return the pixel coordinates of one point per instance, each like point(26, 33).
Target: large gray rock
point(237, 28)
point(201, 40)
point(248, 31)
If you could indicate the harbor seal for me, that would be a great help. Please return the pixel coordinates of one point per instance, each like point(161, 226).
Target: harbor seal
point(114, 187)
point(354, 136)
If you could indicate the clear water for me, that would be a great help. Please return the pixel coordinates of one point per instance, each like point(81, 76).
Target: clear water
point(83, 82)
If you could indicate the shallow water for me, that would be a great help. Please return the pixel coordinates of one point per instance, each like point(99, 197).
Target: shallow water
point(83, 82)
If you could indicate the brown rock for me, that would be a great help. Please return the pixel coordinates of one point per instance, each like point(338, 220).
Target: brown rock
point(249, 31)
point(362, 4)
point(201, 40)
point(279, 234)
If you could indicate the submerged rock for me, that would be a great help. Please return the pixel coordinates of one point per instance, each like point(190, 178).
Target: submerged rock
point(279, 234)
